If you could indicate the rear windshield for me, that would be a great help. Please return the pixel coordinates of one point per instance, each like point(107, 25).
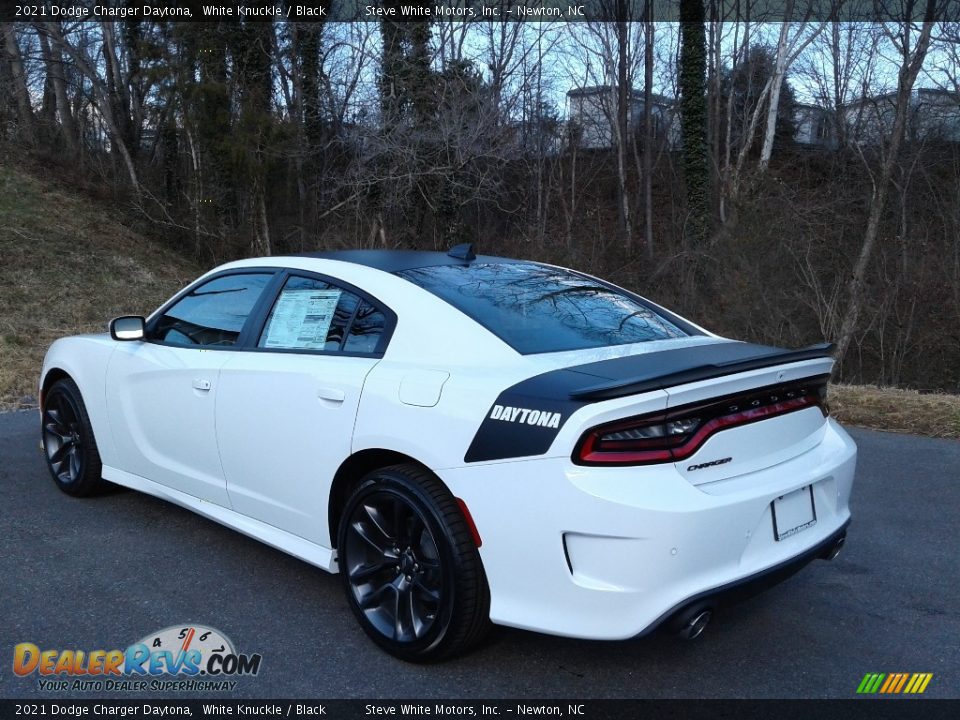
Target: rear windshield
point(537, 309)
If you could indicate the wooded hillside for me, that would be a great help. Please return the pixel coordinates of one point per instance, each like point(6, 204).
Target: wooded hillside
point(236, 138)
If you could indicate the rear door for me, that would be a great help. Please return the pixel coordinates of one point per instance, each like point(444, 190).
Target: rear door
point(287, 404)
point(161, 394)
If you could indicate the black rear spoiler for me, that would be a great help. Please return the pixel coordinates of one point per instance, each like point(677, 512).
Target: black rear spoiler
point(526, 417)
point(660, 370)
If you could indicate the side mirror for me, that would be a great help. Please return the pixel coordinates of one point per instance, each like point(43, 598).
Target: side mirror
point(128, 327)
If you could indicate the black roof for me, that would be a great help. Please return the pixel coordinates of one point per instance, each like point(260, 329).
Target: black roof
point(393, 261)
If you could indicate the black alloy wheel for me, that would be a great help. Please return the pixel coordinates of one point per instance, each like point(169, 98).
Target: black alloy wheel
point(395, 570)
point(68, 441)
point(410, 567)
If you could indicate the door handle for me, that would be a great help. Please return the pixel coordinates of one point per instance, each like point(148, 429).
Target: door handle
point(331, 394)
point(201, 384)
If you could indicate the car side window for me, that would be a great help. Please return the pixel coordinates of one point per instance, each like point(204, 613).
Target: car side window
point(365, 331)
point(311, 314)
point(213, 314)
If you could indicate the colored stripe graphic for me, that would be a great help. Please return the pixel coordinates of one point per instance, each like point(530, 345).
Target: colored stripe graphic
point(918, 683)
point(894, 683)
point(892, 679)
point(870, 683)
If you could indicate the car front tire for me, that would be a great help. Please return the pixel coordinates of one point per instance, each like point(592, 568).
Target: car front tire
point(410, 567)
point(68, 441)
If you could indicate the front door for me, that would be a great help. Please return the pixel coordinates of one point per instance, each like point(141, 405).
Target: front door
point(162, 393)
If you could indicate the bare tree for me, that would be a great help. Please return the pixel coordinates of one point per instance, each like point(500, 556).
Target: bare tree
point(839, 68)
point(624, 100)
point(911, 43)
point(605, 58)
point(53, 60)
point(11, 51)
point(648, 42)
point(788, 50)
point(104, 100)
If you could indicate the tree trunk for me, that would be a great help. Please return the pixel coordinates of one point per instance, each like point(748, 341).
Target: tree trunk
point(776, 82)
point(726, 175)
point(53, 58)
point(252, 51)
point(736, 180)
point(715, 105)
point(134, 85)
point(909, 70)
point(116, 88)
point(25, 128)
point(623, 98)
point(648, 138)
point(308, 50)
point(693, 116)
point(261, 226)
point(839, 126)
point(787, 52)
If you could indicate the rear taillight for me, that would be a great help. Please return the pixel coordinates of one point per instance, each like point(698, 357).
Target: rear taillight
point(677, 434)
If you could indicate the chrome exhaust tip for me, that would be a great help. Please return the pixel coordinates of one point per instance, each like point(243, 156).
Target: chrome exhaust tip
point(695, 625)
point(835, 549)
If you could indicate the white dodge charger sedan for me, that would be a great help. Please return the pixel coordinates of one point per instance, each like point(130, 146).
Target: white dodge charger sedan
point(465, 439)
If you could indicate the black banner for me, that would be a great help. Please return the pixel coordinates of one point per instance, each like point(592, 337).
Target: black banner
point(861, 709)
point(467, 10)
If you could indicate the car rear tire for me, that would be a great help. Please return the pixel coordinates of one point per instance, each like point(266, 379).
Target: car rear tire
point(410, 567)
point(68, 441)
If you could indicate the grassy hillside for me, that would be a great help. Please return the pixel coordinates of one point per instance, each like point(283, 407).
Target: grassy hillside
point(67, 265)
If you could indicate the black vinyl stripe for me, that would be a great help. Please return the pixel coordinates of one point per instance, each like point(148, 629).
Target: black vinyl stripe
point(526, 418)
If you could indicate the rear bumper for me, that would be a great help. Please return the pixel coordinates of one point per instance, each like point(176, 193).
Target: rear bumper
point(747, 587)
point(611, 553)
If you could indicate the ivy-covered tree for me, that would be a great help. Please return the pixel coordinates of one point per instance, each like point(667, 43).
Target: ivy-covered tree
point(406, 93)
point(693, 119)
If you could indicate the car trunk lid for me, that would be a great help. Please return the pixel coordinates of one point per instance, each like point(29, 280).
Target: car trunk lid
point(761, 418)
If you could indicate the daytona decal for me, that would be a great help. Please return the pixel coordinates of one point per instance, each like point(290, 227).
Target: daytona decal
point(543, 418)
point(525, 418)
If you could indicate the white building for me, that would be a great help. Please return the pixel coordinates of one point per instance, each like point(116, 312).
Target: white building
point(592, 115)
point(934, 115)
point(813, 126)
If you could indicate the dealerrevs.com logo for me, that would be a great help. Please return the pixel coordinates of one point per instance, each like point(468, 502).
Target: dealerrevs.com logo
point(180, 657)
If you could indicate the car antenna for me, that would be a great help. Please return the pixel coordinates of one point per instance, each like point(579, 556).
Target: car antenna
point(462, 252)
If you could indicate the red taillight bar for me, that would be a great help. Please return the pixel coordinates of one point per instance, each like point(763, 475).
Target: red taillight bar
point(681, 447)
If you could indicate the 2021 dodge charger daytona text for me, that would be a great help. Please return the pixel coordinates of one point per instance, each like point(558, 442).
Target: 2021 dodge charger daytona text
point(465, 439)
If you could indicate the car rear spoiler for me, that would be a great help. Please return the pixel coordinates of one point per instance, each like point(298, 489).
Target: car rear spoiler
point(660, 370)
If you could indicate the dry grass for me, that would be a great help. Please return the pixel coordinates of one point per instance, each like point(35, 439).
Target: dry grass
point(67, 265)
point(908, 411)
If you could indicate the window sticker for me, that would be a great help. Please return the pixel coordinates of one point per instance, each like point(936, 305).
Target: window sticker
point(301, 319)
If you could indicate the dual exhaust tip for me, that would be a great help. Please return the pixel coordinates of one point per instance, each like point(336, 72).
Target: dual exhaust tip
point(691, 623)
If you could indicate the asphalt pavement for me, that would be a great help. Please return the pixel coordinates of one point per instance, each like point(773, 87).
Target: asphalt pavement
point(102, 573)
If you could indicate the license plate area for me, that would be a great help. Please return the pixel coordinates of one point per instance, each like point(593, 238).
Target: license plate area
point(793, 513)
